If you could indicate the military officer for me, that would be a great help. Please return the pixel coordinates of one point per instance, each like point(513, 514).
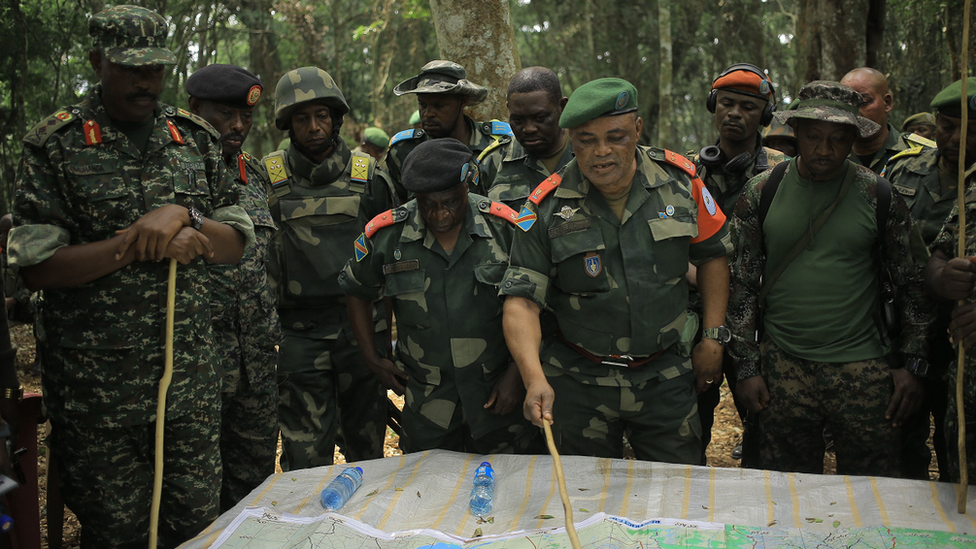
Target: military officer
point(441, 257)
point(921, 124)
point(375, 142)
point(779, 136)
point(604, 244)
point(245, 318)
point(109, 189)
point(318, 187)
point(443, 91)
point(540, 148)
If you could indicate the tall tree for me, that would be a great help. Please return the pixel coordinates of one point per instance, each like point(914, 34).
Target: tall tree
point(664, 84)
point(831, 37)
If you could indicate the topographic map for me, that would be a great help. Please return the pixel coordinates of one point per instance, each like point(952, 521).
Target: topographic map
point(261, 528)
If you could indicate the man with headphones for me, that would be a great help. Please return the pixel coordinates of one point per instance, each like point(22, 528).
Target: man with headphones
point(742, 100)
point(441, 258)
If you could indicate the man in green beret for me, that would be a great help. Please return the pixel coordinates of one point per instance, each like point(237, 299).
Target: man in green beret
point(374, 143)
point(921, 124)
point(244, 316)
point(441, 257)
point(812, 258)
point(950, 277)
point(604, 244)
point(109, 191)
point(318, 189)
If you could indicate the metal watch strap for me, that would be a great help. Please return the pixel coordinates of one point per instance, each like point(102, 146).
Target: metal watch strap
point(196, 218)
point(17, 393)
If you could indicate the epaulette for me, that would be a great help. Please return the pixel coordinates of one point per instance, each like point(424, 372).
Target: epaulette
point(406, 134)
point(385, 219)
point(495, 144)
point(923, 141)
point(497, 127)
point(678, 161)
point(274, 164)
point(46, 128)
point(244, 159)
point(913, 151)
point(544, 188)
point(183, 113)
point(498, 209)
point(359, 167)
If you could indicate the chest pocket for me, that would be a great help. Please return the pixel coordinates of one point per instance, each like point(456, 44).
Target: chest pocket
point(579, 257)
point(316, 241)
point(908, 194)
point(102, 196)
point(509, 193)
point(672, 238)
point(407, 288)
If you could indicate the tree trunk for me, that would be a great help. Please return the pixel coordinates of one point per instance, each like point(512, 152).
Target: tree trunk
point(479, 35)
point(664, 84)
point(265, 63)
point(831, 38)
point(875, 34)
point(384, 44)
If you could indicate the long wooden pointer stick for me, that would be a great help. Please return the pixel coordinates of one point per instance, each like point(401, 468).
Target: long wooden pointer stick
point(161, 406)
point(567, 508)
point(963, 488)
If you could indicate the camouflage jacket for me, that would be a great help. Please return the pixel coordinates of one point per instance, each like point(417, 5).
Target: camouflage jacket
point(903, 249)
point(483, 134)
point(243, 304)
point(895, 143)
point(509, 172)
point(449, 316)
point(80, 181)
point(914, 174)
point(618, 288)
point(726, 188)
point(318, 210)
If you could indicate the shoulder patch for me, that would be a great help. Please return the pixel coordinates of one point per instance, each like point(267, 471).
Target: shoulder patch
point(904, 190)
point(274, 163)
point(359, 167)
point(45, 128)
point(497, 127)
point(187, 115)
point(680, 162)
point(498, 209)
point(384, 219)
point(406, 134)
point(545, 188)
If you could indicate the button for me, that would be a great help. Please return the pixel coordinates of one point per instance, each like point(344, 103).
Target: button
point(509, 284)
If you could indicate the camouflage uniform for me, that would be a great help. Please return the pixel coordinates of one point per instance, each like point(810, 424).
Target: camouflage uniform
point(618, 291)
point(103, 341)
point(895, 143)
point(247, 329)
point(511, 172)
point(322, 382)
point(449, 325)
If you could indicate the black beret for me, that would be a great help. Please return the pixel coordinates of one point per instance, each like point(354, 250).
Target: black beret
point(438, 165)
point(225, 84)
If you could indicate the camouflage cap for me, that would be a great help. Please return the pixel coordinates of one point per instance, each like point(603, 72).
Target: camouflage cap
point(778, 129)
point(377, 137)
point(949, 100)
point(131, 36)
point(303, 85)
point(922, 118)
point(830, 102)
point(597, 98)
point(442, 76)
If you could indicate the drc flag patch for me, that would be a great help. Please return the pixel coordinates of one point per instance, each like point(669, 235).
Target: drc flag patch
point(360, 246)
point(526, 218)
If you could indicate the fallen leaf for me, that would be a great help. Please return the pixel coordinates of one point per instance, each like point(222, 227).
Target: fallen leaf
point(584, 510)
point(814, 520)
point(582, 489)
point(772, 522)
point(477, 533)
point(704, 507)
point(543, 516)
point(833, 503)
point(398, 489)
point(491, 520)
point(293, 479)
point(836, 523)
point(418, 493)
point(274, 502)
point(373, 493)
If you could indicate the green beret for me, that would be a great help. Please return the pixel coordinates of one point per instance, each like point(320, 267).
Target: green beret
point(948, 101)
point(923, 118)
point(597, 98)
point(438, 165)
point(377, 137)
point(415, 117)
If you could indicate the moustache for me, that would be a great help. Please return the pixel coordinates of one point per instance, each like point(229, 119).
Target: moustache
point(140, 95)
point(232, 136)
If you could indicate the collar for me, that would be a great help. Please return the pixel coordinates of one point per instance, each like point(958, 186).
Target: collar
point(321, 174)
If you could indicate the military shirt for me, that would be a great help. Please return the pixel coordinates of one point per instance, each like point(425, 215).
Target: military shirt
point(510, 173)
point(904, 252)
point(318, 208)
point(80, 181)
point(449, 315)
point(726, 188)
point(243, 304)
point(618, 288)
point(892, 146)
point(914, 174)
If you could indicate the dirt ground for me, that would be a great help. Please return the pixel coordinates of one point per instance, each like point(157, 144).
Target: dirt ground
point(726, 433)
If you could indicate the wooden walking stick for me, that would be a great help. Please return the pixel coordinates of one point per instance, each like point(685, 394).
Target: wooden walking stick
point(161, 406)
point(963, 488)
point(563, 494)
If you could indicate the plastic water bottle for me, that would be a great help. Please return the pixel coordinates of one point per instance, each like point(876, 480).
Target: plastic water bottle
point(483, 490)
point(338, 492)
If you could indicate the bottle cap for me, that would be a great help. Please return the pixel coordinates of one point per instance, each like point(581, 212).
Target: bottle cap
point(485, 463)
point(360, 469)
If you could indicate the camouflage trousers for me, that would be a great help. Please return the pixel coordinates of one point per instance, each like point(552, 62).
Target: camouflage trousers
point(659, 418)
point(107, 478)
point(952, 421)
point(325, 390)
point(806, 396)
point(248, 436)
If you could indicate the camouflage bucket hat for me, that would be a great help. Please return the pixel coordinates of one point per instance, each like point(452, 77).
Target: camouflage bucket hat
point(131, 36)
point(442, 76)
point(778, 129)
point(830, 102)
point(303, 85)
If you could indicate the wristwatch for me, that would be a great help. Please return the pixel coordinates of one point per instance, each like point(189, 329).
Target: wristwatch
point(196, 218)
point(720, 334)
point(16, 394)
point(917, 366)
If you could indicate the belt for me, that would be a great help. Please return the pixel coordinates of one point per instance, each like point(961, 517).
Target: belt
point(620, 361)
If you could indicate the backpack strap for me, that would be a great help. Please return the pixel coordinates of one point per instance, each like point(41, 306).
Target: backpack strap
point(769, 191)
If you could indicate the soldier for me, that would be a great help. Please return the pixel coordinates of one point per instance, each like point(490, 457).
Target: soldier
point(821, 360)
point(245, 319)
point(780, 136)
point(604, 244)
point(441, 258)
point(743, 100)
point(443, 90)
point(950, 278)
point(107, 190)
point(318, 188)
point(875, 150)
point(17, 298)
point(921, 124)
point(541, 148)
point(374, 143)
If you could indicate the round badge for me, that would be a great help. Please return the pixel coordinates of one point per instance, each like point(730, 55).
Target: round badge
point(669, 210)
point(464, 171)
point(622, 99)
point(62, 115)
point(764, 87)
point(396, 254)
point(708, 200)
point(253, 95)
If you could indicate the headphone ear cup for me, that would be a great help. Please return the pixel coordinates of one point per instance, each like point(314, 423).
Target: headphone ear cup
point(710, 101)
point(767, 114)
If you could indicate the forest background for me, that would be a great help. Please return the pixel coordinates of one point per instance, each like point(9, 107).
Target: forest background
point(670, 50)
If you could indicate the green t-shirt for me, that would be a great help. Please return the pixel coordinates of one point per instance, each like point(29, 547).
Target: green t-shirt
point(824, 305)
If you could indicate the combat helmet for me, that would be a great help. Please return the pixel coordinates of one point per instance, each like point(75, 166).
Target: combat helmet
point(303, 85)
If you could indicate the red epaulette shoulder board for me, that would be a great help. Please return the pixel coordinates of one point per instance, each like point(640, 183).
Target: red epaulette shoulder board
point(545, 188)
point(384, 219)
point(241, 159)
point(680, 162)
point(498, 209)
